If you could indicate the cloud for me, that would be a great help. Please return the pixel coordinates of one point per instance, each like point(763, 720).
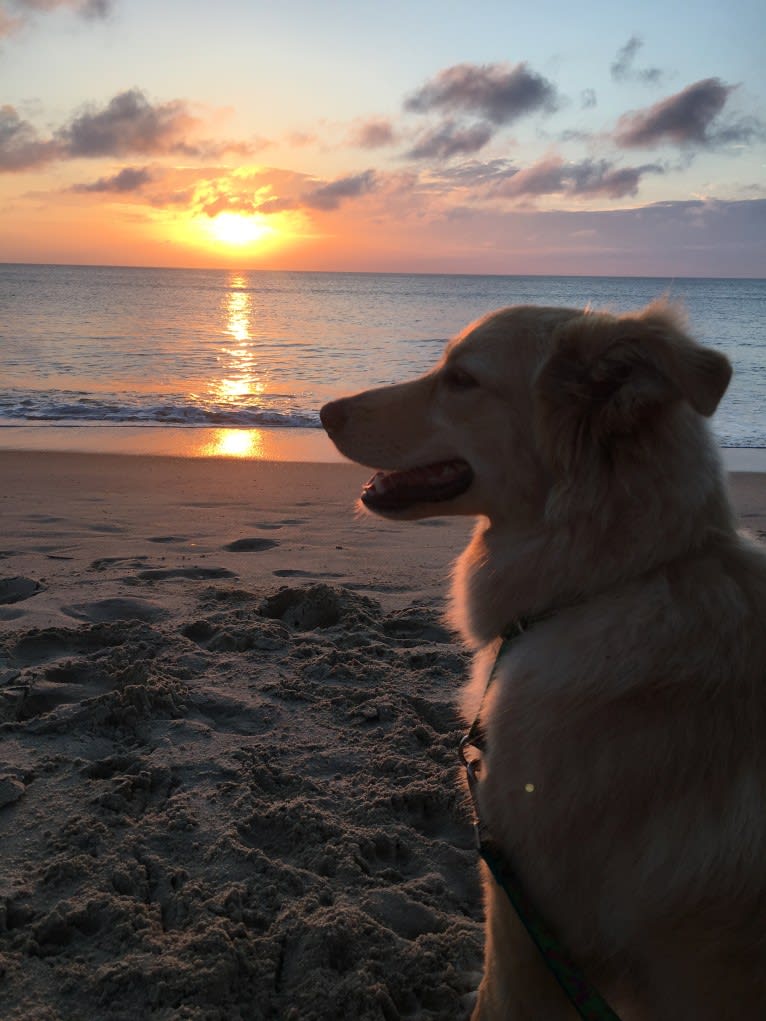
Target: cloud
point(472, 173)
point(91, 10)
point(245, 192)
point(662, 239)
point(226, 203)
point(9, 24)
point(450, 139)
point(128, 179)
point(553, 175)
point(329, 196)
point(495, 92)
point(129, 123)
point(20, 147)
point(588, 99)
point(374, 133)
point(574, 135)
point(622, 68)
point(687, 118)
point(276, 204)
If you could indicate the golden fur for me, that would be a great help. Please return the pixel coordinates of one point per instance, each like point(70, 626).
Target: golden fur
point(625, 774)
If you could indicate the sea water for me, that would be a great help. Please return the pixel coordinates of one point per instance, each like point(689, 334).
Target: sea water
point(126, 347)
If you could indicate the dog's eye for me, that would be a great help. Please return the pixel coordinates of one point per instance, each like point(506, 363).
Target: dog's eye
point(459, 379)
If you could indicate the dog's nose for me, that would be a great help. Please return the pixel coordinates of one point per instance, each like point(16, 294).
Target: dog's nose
point(333, 416)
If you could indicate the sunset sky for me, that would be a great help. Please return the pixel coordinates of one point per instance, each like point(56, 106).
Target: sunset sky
point(481, 137)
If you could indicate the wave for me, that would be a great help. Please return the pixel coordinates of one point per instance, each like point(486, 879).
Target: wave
point(275, 410)
point(152, 409)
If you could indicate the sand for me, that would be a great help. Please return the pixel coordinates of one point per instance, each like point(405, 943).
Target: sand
point(228, 783)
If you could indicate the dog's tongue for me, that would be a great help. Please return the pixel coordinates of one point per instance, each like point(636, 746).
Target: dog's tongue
point(431, 483)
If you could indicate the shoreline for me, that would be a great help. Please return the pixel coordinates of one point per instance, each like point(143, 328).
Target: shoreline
point(263, 444)
point(308, 446)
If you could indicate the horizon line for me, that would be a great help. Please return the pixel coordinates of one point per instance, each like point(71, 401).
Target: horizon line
point(372, 272)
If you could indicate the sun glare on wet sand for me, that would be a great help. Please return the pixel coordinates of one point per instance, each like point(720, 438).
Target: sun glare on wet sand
point(234, 443)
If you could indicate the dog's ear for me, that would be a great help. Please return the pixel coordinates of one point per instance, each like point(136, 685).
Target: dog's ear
point(607, 376)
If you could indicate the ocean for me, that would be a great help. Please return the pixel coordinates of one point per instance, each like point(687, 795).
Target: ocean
point(86, 347)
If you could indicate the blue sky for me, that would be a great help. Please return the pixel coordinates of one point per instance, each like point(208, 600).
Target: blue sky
point(465, 137)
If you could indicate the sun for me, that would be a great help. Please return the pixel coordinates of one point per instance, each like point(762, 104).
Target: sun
point(238, 229)
point(233, 236)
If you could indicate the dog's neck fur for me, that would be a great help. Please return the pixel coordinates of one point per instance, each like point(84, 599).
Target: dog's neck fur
point(506, 573)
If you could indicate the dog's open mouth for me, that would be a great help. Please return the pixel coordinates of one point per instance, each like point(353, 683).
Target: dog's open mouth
point(430, 483)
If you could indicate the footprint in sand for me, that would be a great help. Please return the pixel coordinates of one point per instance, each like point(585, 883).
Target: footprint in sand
point(290, 573)
point(168, 538)
point(103, 563)
point(118, 608)
point(193, 573)
point(11, 615)
point(273, 525)
point(15, 590)
point(250, 545)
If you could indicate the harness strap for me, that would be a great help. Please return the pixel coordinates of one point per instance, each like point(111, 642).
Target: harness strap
point(585, 999)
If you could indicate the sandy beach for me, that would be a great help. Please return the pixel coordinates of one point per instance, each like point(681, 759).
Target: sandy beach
point(228, 783)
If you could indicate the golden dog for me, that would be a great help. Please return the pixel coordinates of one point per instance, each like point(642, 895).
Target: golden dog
point(625, 765)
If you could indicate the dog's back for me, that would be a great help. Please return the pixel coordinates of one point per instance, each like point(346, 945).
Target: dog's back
point(626, 778)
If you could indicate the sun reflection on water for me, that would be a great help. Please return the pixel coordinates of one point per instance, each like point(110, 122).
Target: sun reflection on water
point(239, 360)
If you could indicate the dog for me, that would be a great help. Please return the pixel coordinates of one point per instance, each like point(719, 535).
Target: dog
point(624, 772)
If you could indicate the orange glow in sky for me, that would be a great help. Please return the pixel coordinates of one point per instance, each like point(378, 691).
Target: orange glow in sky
point(234, 236)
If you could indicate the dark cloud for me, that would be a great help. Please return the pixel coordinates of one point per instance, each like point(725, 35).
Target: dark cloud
point(740, 131)
point(276, 204)
point(129, 123)
point(329, 196)
point(574, 135)
point(227, 203)
point(472, 173)
point(553, 175)
point(126, 180)
point(20, 146)
point(622, 68)
point(687, 118)
point(450, 139)
point(374, 133)
point(96, 8)
point(495, 92)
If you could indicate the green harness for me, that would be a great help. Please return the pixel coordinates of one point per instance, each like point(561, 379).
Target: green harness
point(586, 1000)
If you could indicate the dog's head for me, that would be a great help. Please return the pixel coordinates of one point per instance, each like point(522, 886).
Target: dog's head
point(525, 404)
